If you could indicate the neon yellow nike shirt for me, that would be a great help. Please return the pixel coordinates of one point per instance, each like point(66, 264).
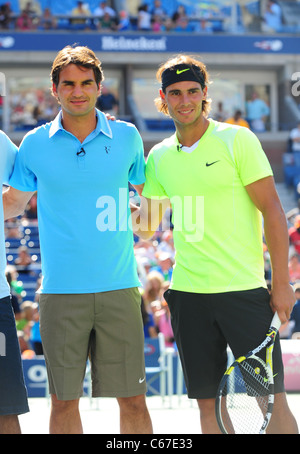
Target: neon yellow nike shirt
point(217, 228)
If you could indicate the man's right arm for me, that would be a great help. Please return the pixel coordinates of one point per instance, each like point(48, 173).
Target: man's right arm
point(14, 202)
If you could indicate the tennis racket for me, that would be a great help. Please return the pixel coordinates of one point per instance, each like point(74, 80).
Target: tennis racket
point(245, 396)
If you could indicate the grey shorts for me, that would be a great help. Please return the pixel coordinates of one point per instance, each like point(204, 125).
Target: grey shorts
point(107, 327)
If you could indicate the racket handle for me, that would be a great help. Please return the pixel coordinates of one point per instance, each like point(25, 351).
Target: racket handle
point(276, 323)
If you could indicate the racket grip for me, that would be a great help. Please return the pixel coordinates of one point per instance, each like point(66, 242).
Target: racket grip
point(276, 323)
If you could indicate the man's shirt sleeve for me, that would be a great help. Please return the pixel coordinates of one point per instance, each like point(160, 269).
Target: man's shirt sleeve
point(152, 187)
point(251, 160)
point(137, 169)
point(11, 152)
point(22, 177)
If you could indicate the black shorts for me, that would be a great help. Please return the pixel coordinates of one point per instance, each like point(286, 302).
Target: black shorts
point(13, 394)
point(205, 324)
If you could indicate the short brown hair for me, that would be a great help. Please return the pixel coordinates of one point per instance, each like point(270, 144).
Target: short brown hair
point(173, 62)
point(76, 55)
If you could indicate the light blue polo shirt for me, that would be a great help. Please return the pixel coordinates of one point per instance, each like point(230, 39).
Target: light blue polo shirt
point(84, 218)
point(8, 152)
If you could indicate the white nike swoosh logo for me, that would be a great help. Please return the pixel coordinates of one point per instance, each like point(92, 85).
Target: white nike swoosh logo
point(141, 380)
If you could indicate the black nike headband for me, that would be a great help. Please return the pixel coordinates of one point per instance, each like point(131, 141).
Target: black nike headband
point(180, 73)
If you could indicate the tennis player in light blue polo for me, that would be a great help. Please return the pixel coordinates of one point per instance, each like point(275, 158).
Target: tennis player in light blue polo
point(13, 395)
point(83, 203)
point(80, 165)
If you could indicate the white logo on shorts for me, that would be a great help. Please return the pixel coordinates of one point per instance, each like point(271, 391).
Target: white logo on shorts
point(141, 380)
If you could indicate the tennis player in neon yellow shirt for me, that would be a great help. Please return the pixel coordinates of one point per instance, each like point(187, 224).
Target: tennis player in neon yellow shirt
point(219, 183)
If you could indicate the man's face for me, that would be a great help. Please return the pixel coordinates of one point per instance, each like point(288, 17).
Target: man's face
point(184, 100)
point(77, 91)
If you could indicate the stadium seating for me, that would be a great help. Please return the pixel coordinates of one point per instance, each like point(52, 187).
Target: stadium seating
point(290, 15)
point(27, 276)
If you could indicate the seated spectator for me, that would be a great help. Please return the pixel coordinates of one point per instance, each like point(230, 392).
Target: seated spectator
point(25, 349)
point(34, 11)
point(24, 324)
point(167, 243)
point(295, 315)
point(47, 20)
point(144, 19)
point(24, 22)
point(180, 13)
point(183, 25)
point(257, 113)
point(162, 319)
point(267, 264)
point(156, 23)
point(16, 286)
point(152, 287)
point(33, 7)
point(5, 15)
point(294, 235)
point(81, 11)
point(106, 22)
point(164, 265)
point(220, 114)
point(123, 21)
point(294, 268)
point(15, 301)
point(295, 138)
point(23, 261)
point(168, 25)
point(272, 18)
point(35, 335)
point(102, 9)
point(107, 102)
point(145, 248)
point(237, 119)
point(12, 229)
point(148, 321)
point(31, 209)
point(158, 10)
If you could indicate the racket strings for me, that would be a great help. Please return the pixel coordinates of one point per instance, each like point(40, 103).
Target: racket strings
point(245, 398)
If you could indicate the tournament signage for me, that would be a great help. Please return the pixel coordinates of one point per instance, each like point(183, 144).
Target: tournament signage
point(213, 43)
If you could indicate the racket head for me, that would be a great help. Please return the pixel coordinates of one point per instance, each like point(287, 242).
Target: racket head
point(245, 397)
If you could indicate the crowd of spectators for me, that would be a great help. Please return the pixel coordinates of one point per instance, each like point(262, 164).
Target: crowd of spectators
point(148, 16)
point(155, 259)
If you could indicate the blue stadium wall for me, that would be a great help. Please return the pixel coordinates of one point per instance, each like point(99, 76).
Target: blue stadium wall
point(280, 53)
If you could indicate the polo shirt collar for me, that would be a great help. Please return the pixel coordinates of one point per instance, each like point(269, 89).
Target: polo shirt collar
point(101, 127)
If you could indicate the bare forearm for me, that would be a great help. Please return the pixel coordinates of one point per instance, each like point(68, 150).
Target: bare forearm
point(276, 233)
point(264, 195)
point(14, 202)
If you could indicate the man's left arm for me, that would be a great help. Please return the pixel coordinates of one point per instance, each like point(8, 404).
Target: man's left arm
point(264, 195)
